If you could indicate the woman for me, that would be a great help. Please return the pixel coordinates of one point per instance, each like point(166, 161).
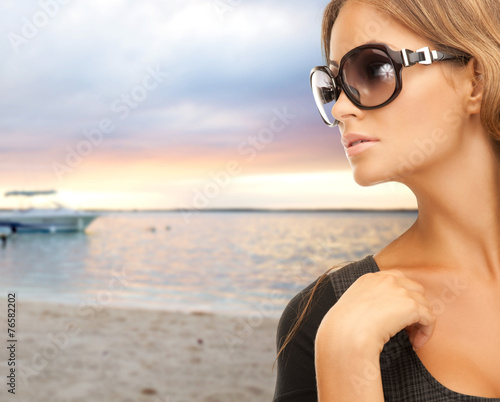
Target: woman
point(414, 86)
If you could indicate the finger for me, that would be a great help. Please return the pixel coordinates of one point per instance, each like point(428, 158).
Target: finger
point(393, 272)
point(422, 329)
point(423, 334)
point(403, 281)
point(420, 299)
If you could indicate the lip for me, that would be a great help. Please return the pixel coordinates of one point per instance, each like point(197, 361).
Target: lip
point(352, 149)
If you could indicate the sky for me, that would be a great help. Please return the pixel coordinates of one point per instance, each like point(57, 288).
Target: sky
point(158, 105)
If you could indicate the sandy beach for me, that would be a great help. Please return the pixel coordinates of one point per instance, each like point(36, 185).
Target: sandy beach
point(91, 353)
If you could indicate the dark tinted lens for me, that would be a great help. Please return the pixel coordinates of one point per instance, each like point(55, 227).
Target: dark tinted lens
point(369, 76)
point(324, 92)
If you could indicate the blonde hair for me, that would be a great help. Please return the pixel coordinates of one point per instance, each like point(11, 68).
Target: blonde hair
point(469, 27)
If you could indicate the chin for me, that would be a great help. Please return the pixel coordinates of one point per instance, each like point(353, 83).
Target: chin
point(367, 178)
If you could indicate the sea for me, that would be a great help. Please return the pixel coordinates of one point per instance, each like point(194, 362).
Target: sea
point(211, 262)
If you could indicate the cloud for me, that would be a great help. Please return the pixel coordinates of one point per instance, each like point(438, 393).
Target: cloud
point(92, 52)
point(225, 74)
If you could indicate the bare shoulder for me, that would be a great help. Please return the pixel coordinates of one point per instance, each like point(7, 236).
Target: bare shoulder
point(398, 254)
point(415, 263)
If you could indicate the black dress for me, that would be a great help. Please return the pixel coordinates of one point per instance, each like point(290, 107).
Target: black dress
point(404, 377)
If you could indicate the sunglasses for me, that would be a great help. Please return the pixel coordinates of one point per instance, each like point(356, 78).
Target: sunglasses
point(369, 75)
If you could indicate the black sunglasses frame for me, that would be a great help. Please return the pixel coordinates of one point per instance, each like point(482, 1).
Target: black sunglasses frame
point(399, 59)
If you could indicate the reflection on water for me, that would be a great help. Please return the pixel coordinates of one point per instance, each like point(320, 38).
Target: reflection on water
point(226, 262)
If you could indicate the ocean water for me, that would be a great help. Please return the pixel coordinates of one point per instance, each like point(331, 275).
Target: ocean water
point(224, 262)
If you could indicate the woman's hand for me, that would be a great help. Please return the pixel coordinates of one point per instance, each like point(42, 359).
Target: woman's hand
point(353, 333)
point(381, 304)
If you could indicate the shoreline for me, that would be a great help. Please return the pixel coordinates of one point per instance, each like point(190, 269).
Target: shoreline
point(99, 302)
point(259, 210)
point(116, 353)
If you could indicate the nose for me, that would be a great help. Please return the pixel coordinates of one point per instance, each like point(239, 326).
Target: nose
point(344, 109)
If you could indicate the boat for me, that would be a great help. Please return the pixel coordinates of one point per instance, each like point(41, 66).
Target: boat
point(50, 218)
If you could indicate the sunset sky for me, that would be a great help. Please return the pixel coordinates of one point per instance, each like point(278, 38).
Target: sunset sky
point(153, 104)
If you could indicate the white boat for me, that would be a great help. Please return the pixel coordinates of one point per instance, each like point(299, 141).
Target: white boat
point(54, 218)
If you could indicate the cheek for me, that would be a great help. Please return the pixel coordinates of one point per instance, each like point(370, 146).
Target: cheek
point(425, 121)
point(418, 130)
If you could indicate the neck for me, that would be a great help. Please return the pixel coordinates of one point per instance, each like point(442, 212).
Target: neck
point(459, 209)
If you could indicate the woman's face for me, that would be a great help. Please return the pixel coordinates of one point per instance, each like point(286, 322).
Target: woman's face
point(421, 128)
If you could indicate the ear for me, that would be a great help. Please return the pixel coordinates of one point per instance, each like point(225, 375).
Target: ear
point(475, 87)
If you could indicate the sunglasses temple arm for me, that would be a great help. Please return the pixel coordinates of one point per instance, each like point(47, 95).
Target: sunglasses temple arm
point(423, 56)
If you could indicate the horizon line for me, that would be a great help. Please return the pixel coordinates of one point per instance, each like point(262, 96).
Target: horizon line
point(247, 209)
